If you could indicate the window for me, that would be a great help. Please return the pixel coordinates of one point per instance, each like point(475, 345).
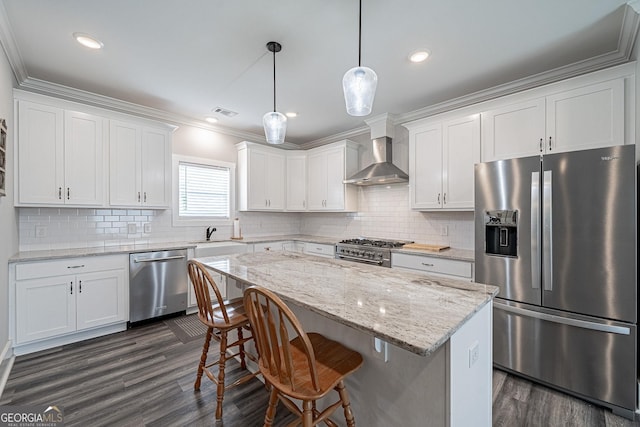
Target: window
point(204, 191)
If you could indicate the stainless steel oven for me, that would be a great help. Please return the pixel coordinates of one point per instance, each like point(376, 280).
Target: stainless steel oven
point(368, 251)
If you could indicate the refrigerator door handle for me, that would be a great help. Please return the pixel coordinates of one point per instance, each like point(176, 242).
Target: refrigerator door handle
point(535, 230)
point(594, 326)
point(547, 239)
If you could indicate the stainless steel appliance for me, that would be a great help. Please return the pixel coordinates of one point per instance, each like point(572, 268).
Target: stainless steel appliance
point(370, 251)
point(157, 284)
point(557, 234)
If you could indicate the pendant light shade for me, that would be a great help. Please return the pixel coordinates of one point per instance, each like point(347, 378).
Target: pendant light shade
point(359, 83)
point(275, 127)
point(275, 124)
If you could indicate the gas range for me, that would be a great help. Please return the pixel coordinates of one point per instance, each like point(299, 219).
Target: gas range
point(370, 251)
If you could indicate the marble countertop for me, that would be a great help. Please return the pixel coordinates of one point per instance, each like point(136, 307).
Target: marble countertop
point(412, 311)
point(26, 256)
point(97, 251)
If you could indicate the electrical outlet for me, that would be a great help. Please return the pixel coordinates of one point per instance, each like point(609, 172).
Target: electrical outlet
point(380, 349)
point(42, 231)
point(131, 228)
point(444, 230)
point(474, 353)
point(147, 227)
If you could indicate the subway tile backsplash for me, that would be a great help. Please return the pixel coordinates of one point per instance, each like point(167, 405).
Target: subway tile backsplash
point(384, 212)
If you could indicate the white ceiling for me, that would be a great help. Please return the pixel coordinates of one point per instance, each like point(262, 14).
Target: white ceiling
point(188, 57)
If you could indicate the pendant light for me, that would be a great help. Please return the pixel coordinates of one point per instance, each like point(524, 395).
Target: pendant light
point(275, 124)
point(359, 83)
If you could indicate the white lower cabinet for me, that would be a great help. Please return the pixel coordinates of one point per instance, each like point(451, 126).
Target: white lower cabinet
point(456, 269)
point(320, 249)
point(50, 303)
point(273, 246)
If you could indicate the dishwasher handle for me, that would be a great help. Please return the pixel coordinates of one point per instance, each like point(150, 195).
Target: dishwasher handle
point(168, 258)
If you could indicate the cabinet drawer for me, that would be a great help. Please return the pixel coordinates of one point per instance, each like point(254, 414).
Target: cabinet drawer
point(320, 249)
point(60, 267)
point(271, 246)
point(432, 264)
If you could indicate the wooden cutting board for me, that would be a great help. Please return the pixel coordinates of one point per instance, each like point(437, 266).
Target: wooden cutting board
point(424, 247)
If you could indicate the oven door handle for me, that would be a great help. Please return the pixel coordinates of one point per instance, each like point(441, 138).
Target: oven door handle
point(370, 261)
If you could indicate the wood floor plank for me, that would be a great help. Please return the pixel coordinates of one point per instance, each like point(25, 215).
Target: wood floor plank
point(144, 377)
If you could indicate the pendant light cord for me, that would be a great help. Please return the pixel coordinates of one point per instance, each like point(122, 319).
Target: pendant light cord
point(274, 80)
point(359, 32)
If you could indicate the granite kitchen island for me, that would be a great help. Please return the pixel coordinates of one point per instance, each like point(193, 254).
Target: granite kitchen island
point(426, 340)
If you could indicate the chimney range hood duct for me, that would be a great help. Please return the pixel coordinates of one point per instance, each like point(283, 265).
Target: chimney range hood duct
point(383, 171)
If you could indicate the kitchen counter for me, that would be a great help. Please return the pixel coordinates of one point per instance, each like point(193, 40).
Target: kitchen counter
point(431, 356)
point(451, 253)
point(415, 312)
point(97, 251)
point(26, 256)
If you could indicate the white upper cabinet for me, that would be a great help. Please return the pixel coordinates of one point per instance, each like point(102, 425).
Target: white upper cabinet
point(156, 167)
point(588, 116)
point(60, 157)
point(327, 167)
point(441, 159)
point(139, 165)
point(296, 181)
point(73, 155)
point(261, 178)
point(84, 158)
point(513, 131)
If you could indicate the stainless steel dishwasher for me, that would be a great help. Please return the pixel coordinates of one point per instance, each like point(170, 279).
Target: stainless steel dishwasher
point(157, 284)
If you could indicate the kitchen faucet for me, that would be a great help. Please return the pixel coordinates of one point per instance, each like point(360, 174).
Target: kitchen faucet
point(210, 231)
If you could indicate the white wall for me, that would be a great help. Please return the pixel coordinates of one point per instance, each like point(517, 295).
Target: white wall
point(8, 225)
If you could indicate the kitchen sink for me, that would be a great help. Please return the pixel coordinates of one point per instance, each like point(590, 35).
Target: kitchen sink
point(219, 248)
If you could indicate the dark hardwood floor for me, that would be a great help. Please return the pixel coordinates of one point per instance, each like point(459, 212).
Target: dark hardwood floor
point(144, 377)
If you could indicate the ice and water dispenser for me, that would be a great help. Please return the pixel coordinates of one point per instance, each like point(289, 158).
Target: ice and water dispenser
point(501, 233)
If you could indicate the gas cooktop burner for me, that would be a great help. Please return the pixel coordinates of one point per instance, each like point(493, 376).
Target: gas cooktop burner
point(374, 243)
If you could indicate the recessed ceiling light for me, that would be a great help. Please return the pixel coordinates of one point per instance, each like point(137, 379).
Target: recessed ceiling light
point(419, 56)
point(88, 41)
point(211, 120)
point(291, 114)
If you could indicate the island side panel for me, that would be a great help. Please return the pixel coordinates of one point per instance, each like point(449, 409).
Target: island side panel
point(408, 390)
point(470, 371)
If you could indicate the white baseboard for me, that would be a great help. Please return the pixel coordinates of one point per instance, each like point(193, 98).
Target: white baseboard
point(5, 365)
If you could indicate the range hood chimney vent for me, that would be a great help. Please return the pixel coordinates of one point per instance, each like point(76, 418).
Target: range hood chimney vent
point(382, 171)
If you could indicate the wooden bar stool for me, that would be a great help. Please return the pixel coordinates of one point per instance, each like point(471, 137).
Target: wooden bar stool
point(220, 318)
point(298, 365)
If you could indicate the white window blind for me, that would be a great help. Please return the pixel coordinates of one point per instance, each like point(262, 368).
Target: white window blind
point(204, 191)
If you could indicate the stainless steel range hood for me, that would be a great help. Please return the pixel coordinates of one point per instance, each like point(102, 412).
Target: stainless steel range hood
point(383, 171)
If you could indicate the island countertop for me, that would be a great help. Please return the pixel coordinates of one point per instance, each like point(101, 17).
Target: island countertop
point(412, 311)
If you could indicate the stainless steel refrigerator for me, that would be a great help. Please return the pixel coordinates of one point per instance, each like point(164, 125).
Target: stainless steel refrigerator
point(557, 234)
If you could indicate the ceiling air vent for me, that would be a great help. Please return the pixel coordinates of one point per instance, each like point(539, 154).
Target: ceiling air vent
point(224, 112)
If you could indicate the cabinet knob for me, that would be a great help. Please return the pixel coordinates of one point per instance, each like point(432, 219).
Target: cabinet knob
point(68, 193)
point(549, 143)
point(138, 196)
point(541, 148)
point(444, 198)
point(438, 198)
point(59, 193)
point(145, 197)
point(71, 287)
point(80, 286)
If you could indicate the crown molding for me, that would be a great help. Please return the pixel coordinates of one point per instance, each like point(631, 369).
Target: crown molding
point(626, 41)
point(622, 54)
point(8, 43)
point(336, 137)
